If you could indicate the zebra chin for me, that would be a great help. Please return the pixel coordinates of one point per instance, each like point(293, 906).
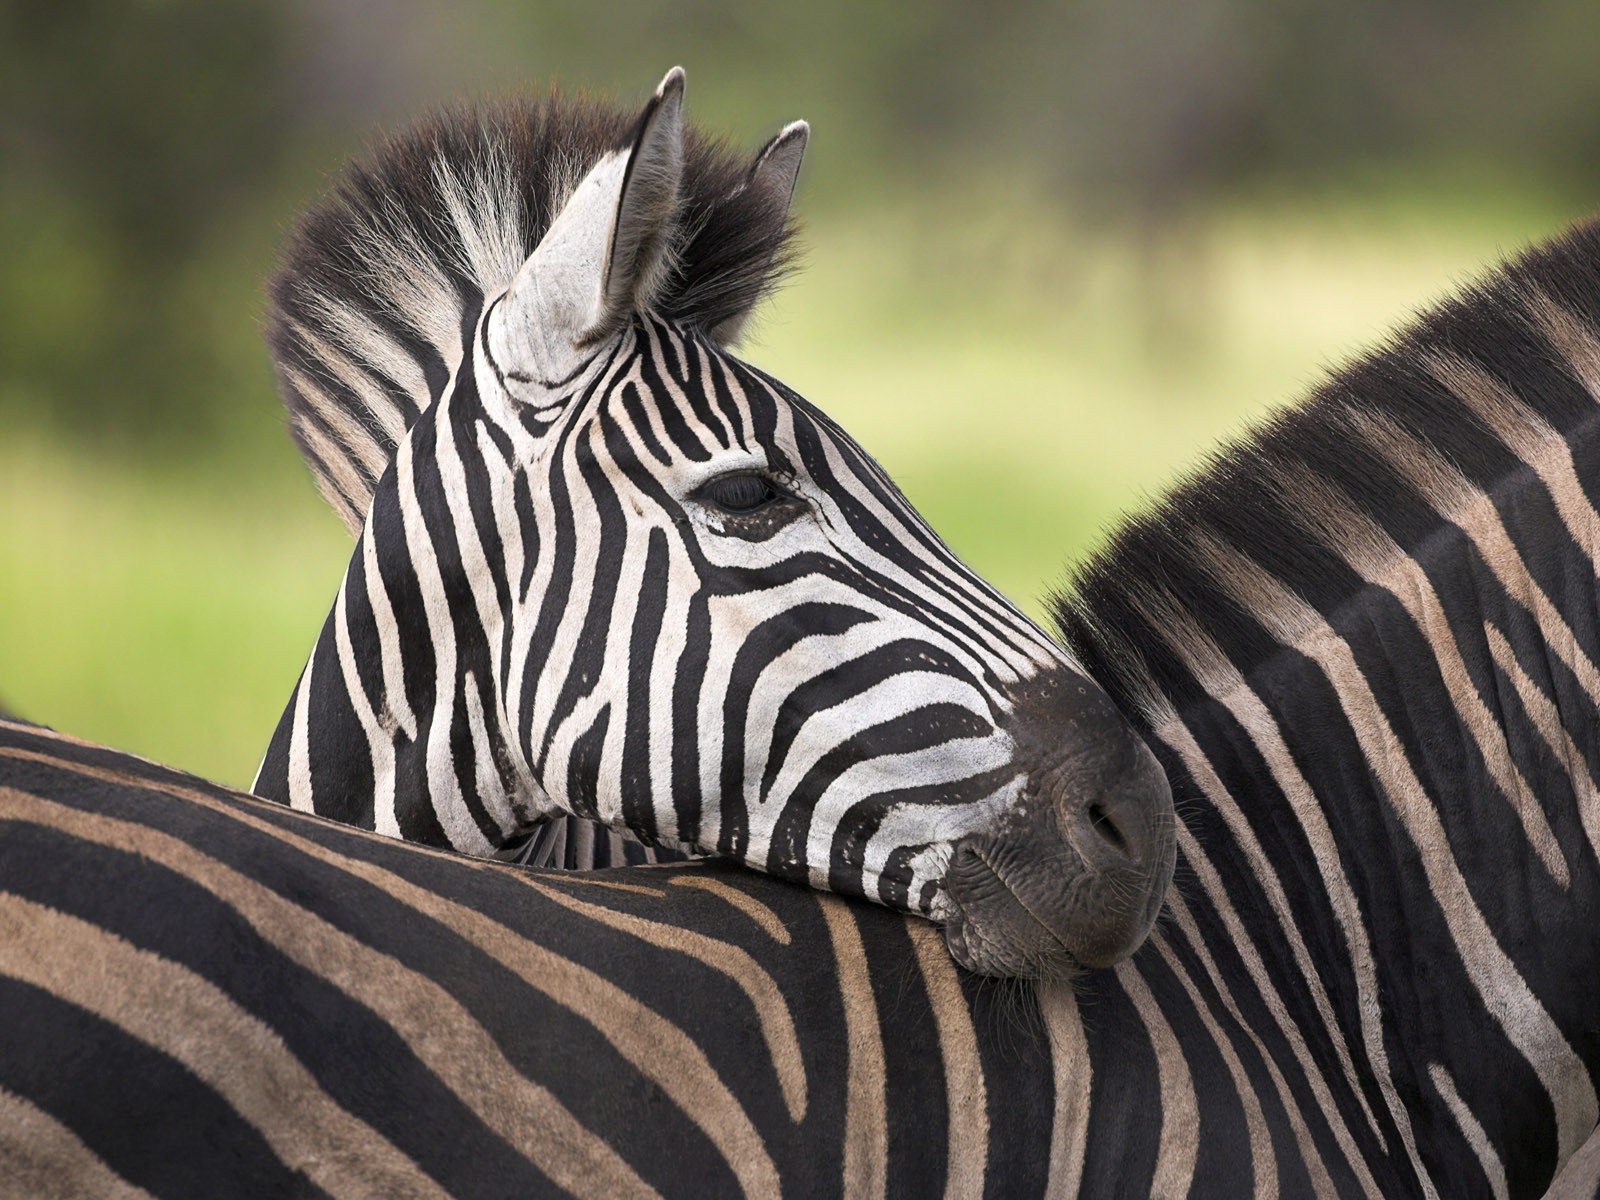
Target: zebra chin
point(1075, 874)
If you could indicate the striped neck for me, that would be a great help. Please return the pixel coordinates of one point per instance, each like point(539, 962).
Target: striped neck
point(1365, 646)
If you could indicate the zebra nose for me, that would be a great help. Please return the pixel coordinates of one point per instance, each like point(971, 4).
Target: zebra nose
point(1074, 877)
point(1121, 814)
point(1074, 872)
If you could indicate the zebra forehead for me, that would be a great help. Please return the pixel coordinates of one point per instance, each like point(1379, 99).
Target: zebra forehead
point(380, 283)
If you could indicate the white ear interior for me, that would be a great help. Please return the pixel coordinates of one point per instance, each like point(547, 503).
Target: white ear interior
point(638, 253)
point(601, 258)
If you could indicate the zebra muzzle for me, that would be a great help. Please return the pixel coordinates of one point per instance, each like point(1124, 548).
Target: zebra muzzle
point(1075, 873)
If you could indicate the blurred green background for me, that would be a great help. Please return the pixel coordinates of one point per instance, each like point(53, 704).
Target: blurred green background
point(1055, 252)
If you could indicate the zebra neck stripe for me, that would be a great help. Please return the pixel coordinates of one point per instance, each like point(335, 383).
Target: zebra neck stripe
point(379, 745)
point(397, 704)
point(1340, 895)
point(1263, 1158)
point(1180, 1110)
point(1260, 983)
point(1493, 1169)
point(1547, 720)
point(449, 807)
point(1503, 990)
point(1304, 1140)
point(1372, 555)
point(300, 791)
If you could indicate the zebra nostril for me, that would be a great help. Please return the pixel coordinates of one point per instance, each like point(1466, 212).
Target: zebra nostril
point(1104, 824)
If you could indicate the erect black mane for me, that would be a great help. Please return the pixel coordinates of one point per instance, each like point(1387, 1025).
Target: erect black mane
point(1530, 332)
point(380, 283)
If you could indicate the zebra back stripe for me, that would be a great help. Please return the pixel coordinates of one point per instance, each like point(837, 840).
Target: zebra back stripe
point(548, 1033)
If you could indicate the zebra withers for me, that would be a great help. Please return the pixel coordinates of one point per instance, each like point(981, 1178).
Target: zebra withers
point(606, 569)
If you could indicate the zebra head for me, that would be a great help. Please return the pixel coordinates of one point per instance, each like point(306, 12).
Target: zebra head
point(614, 572)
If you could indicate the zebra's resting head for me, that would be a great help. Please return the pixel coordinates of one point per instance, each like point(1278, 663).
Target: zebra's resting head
point(613, 571)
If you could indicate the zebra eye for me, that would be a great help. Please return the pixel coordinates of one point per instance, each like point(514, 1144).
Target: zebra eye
point(740, 494)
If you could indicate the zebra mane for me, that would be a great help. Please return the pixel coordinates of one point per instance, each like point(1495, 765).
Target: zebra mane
point(1462, 406)
point(381, 283)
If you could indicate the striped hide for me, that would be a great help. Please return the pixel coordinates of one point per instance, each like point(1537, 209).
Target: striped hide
point(1364, 645)
point(205, 994)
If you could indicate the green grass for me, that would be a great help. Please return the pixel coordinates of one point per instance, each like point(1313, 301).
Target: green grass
point(1025, 381)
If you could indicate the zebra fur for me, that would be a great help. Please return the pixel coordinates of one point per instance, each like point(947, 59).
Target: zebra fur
point(1364, 645)
point(1310, 633)
point(209, 994)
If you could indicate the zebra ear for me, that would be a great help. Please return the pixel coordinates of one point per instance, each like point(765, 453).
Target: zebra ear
point(603, 256)
point(774, 172)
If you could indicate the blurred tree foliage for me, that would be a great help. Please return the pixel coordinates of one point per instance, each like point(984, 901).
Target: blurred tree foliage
point(152, 150)
point(128, 132)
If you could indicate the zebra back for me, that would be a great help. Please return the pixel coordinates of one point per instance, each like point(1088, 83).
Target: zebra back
point(1468, 402)
point(1366, 645)
point(207, 994)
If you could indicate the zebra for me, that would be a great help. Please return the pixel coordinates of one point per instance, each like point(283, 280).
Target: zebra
point(606, 570)
point(1362, 644)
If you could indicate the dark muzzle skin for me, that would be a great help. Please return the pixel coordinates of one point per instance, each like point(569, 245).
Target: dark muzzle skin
point(1074, 874)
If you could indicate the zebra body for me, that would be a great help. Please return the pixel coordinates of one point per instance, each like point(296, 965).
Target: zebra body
point(1365, 646)
point(608, 571)
point(206, 994)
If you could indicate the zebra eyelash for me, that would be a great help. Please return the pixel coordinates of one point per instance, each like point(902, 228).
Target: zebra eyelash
point(735, 494)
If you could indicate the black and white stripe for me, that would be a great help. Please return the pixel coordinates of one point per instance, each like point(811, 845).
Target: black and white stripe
point(611, 572)
point(1365, 646)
